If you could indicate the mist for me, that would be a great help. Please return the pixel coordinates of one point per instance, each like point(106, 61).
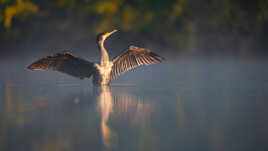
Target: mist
point(210, 92)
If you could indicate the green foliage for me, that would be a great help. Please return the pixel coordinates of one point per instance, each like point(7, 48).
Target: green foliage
point(177, 21)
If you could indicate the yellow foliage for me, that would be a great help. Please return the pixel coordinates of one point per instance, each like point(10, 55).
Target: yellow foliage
point(61, 3)
point(127, 18)
point(129, 15)
point(17, 9)
point(3, 1)
point(104, 25)
point(69, 3)
point(108, 6)
point(148, 16)
point(135, 18)
point(177, 9)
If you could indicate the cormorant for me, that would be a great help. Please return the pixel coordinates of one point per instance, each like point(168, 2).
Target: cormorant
point(103, 72)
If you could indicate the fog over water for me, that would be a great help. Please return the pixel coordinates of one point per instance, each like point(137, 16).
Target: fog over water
point(193, 103)
point(210, 93)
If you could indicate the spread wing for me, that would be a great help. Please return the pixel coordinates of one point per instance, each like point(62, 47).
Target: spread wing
point(65, 62)
point(132, 58)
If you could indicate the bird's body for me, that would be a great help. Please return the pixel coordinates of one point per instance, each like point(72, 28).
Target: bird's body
point(103, 72)
point(102, 76)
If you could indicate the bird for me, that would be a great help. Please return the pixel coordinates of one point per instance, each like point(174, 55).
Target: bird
point(102, 72)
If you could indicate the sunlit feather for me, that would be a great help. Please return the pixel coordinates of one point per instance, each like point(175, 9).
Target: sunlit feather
point(102, 73)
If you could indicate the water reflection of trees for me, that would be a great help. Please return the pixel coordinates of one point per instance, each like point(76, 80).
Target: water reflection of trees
point(28, 120)
point(70, 122)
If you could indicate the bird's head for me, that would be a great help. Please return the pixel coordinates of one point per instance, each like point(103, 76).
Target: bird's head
point(102, 36)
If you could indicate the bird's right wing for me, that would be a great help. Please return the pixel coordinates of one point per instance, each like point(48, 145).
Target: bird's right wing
point(132, 58)
point(65, 62)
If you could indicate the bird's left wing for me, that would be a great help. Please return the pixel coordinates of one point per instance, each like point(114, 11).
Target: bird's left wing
point(65, 62)
point(132, 58)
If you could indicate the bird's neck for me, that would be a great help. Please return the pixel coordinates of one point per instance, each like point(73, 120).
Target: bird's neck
point(104, 54)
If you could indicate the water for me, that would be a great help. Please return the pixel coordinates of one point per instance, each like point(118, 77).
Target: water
point(190, 104)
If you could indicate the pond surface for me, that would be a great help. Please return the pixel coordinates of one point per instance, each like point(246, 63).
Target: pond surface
point(190, 105)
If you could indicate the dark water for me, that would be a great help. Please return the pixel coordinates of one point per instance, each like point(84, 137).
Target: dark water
point(190, 105)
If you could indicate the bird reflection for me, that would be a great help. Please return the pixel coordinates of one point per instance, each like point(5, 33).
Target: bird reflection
point(105, 106)
point(124, 106)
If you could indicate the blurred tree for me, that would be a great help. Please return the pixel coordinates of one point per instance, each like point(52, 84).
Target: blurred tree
point(15, 8)
point(181, 23)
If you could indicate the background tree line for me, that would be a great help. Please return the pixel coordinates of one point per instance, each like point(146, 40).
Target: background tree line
point(192, 26)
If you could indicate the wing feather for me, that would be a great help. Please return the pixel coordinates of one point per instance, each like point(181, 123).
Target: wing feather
point(132, 58)
point(65, 62)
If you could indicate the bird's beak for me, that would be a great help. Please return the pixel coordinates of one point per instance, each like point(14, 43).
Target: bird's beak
point(110, 33)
